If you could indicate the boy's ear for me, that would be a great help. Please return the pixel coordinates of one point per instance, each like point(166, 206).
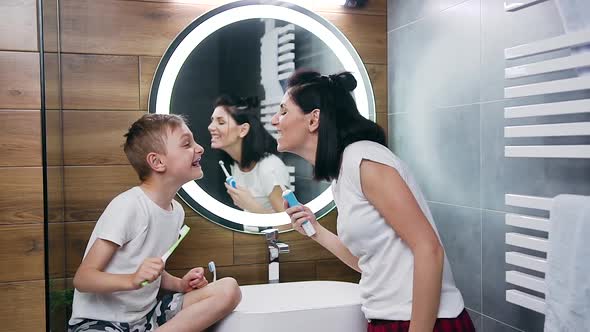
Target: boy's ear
point(314, 120)
point(155, 162)
point(244, 129)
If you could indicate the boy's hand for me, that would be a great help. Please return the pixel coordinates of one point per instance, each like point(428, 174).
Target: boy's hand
point(149, 270)
point(194, 279)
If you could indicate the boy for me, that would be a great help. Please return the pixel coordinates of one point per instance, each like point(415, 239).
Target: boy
point(135, 229)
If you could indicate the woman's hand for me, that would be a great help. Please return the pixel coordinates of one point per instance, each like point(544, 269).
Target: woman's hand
point(299, 214)
point(243, 198)
point(193, 279)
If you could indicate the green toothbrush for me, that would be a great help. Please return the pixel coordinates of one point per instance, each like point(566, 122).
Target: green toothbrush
point(183, 232)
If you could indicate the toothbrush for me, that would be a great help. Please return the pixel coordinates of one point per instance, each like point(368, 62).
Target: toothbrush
point(228, 178)
point(183, 232)
point(289, 196)
point(212, 269)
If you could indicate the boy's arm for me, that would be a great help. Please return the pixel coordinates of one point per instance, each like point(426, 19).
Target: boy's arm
point(171, 282)
point(91, 278)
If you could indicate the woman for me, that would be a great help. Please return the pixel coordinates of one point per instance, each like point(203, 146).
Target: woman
point(251, 153)
point(385, 229)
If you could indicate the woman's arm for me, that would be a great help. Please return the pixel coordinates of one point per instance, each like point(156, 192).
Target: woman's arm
point(388, 192)
point(323, 236)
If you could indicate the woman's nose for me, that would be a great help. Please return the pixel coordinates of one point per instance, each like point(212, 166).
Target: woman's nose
point(275, 119)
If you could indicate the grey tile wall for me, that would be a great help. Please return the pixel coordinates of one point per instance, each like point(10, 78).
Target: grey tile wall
point(446, 120)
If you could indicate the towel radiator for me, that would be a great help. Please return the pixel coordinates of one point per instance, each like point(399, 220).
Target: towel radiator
point(540, 225)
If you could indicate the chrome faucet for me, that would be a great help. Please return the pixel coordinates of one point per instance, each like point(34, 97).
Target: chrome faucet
point(274, 249)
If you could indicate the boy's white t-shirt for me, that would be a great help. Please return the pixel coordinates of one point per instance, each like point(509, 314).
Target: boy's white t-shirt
point(386, 262)
point(142, 229)
point(268, 172)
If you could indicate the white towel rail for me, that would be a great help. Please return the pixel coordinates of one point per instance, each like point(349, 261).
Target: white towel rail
point(526, 281)
point(522, 221)
point(556, 86)
point(526, 300)
point(511, 5)
point(540, 243)
point(571, 39)
point(548, 151)
point(526, 261)
point(558, 129)
point(527, 242)
point(531, 202)
point(548, 66)
point(564, 107)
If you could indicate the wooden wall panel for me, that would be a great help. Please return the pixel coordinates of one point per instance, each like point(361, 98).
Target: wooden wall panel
point(147, 69)
point(100, 82)
point(18, 25)
point(21, 197)
point(297, 271)
point(19, 82)
point(141, 28)
point(383, 121)
point(336, 270)
point(367, 33)
point(23, 306)
point(245, 274)
point(21, 253)
point(19, 138)
point(204, 243)
point(77, 235)
point(378, 77)
point(53, 137)
point(55, 194)
point(373, 7)
point(57, 251)
point(88, 190)
point(52, 81)
point(96, 137)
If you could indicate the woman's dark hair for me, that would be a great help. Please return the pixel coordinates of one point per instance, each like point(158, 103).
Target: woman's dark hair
point(341, 123)
point(258, 143)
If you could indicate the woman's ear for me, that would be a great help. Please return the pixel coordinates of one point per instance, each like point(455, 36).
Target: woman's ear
point(244, 129)
point(155, 162)
point(314, 120)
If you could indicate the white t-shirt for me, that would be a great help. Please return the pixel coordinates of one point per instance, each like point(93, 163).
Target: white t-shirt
point(386, 262)
point(142, 229)
point(268, 172)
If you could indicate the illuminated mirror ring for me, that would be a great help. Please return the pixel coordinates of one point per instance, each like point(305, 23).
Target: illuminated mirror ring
point(182, 46)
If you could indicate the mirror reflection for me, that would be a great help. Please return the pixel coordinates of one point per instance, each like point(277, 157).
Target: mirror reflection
point(228, 89)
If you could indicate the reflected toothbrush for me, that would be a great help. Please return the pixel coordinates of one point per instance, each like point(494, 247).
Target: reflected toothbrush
point(228, 178)
point(183, 232)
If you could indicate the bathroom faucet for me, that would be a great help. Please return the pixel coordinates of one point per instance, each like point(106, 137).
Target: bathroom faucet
point(274, 249)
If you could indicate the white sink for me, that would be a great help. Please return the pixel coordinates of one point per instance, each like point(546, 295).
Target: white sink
point(309, 306)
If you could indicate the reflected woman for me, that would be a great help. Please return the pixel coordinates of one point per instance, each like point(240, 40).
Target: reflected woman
point(250, 151)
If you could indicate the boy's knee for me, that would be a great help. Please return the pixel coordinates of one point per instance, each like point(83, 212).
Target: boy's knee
point(231, 291)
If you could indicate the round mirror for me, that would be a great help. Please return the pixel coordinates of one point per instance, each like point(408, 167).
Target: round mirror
point(249, 49)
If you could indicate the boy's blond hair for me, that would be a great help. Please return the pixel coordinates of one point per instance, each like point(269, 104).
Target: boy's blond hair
point(146, 135)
